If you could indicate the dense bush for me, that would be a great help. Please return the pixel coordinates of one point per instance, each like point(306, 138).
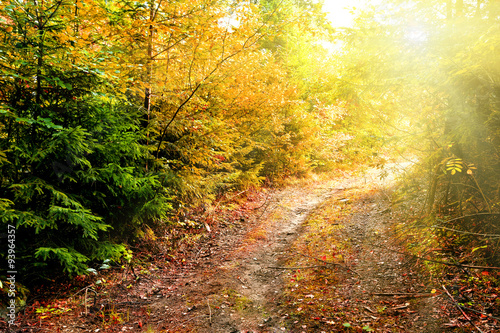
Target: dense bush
point(73, 178)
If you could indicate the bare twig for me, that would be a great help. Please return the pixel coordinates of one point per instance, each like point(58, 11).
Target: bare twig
point(493, 268)
point(265, 201)
point(473, 215)
point(228, 199)
point(480, 312)
point(85, 302)
point(330, 263)
point(461, 310)
point(86, 290)
point(458, 265)
point(369, 310)
point(79, 291)
point(302, 267)
point(467, 232)
point(265, 208)
point(86, 294)
point(406, 295)
point(209, 312)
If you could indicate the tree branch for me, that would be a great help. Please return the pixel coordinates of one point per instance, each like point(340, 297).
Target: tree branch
point(472, 215)
point(330, 263)
point(467, 232)
point(461, 310)
point(438, 261)
point(406, 295)
point(174, 116)
point(302, 267)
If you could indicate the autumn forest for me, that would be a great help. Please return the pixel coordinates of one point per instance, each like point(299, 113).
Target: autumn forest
point(122, 121)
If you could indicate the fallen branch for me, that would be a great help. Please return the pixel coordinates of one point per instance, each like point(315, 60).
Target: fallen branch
point(132, 303)
point(480, 312)
point(406, 295)
point(457, 265)
point(83, 289)
point(400, 307)
point(461, 310)
point(368, 309)
point(209, 312)
point(303, 267)
point(493, 268)
point(467, 232)
point(265, 203)
point(473, 215)
point(228, 199)
point(330, 263)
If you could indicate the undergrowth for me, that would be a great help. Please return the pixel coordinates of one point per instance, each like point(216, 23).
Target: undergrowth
point(458, 248)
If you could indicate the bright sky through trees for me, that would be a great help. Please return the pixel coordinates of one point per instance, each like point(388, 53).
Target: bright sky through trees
point(339, 11)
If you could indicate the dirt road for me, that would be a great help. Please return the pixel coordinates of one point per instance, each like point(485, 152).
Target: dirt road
point(244, 284)
point(317, 256)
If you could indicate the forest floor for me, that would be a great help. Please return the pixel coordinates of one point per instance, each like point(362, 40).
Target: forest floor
point(316, 256)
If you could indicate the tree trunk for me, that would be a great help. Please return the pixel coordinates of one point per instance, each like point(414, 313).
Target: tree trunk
point(149, 63)
point(149, 72)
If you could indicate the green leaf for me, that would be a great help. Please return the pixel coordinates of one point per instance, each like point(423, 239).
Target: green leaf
point(346, 325)
point(47, 122)
point(479, 248)
point(72, 260)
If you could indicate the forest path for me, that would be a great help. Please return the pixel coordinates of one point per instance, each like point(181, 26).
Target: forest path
point(240, 286)
point(236, 290)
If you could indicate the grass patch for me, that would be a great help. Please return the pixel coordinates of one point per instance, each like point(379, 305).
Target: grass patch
point(230, 298)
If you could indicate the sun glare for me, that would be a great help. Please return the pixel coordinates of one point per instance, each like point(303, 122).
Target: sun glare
point(416, 34)
point(339, 12)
